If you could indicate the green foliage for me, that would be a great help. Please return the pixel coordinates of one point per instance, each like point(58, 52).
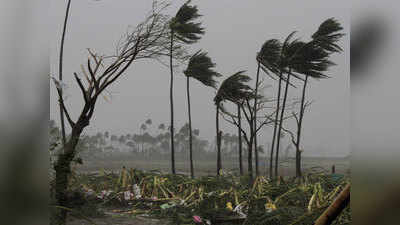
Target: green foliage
point(269, 55)
point(328, 34)
point(234, 89)
point(302, 58)
point(178, 198)
point(183, 27)
point(200, 67)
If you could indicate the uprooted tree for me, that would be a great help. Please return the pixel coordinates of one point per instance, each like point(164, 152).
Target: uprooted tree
point(149, 40)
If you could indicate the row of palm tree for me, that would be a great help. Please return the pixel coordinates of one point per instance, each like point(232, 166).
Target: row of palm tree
point(290, 58)
point(301, 60)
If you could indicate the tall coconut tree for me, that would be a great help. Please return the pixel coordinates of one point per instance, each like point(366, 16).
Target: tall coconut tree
point(183, 31)
point(273, 58)
point(233, 89)
point(312, 61)
point(255, 115)
point(60, 71)
point(289, 48)
point(268, 58)
point(201, 68)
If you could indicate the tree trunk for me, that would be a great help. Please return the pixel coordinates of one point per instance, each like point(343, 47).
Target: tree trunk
point(142, 143)
point(240, 140)
point(250, 160)
point(280, 125)
point(250, 151)
point(171, 98)
point(271, 159)
point(255, 119)
point(219, 164)
point(63, 170)
point(190, 129)
point(256, 156)
point(299, 127)
point(60, 73)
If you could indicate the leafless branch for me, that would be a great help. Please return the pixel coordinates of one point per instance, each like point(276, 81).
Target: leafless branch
point(84, 93)
point(235, 123)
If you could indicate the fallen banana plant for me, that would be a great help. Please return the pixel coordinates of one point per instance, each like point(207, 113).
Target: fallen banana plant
point(223, 199)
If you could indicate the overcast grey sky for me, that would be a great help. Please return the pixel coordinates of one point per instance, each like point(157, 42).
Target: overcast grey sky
point(235, 31)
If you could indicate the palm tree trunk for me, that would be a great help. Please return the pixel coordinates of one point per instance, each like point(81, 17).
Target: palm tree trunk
point(250, 158)
point(171, 98)
point(240, 139)
point(59, 216)
point(60, 73)
point(219, 164)
point(250, 150)
point(271, 159)
point(299, 127)
point(280, 125)
point(255, 119)
point(190, 129)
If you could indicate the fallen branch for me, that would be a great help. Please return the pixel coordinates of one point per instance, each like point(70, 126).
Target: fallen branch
point(334, 210)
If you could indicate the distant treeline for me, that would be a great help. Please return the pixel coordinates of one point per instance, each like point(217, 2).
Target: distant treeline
point(153, 141)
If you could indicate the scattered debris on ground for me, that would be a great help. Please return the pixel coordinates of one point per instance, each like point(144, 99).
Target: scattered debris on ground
point(225, 199)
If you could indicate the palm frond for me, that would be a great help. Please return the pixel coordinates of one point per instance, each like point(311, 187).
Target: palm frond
point(305, 58)
point(288, 41)
point(269, 55)
point(297, 58)
point(310, 59)
point(328, 34)
point(234, 88)
point(200, 67)
point(183, 26)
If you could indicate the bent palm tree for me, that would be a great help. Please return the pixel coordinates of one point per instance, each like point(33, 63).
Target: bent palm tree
point(232, 89)
point(60, 72)
point(200, 67)
point(289, 48)
point(268, 59)
point(185, 31)
point(312, 60)
point(324, 42)
point(274, 57)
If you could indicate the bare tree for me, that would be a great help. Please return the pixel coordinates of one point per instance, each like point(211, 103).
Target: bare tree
point(254, 124)
point(294, 137)
point(146, 41)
